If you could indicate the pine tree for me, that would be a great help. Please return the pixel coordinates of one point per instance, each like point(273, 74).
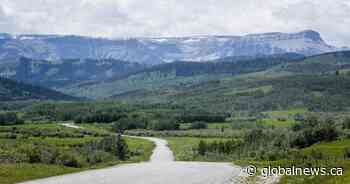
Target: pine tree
point(202, 147)
point(121, 148)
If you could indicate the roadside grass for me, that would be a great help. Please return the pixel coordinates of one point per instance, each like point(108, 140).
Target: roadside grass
point(53, 136)
point(141, 148)
point(13, 173)
point(102, 128)
point(184, 148)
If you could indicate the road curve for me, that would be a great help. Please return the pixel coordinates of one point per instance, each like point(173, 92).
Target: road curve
point(161, 169)
point(161, 152)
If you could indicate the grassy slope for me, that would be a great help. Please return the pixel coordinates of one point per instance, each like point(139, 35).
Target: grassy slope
point(288, 86)
point(330, 149)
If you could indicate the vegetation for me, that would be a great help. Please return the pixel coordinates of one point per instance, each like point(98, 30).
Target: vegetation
point(11, 90)
point(185, 148)
point(13, 173)
point(278, 111)
point(10, 118)
point(177, 73)
point(30, 148)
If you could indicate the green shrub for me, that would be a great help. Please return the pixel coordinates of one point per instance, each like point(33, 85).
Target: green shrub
point(70, 159)
point(202, 148)
point(347, 153)
point(10, 118)
point(164, 124)
point(98, 156)
point(346, 123)
point(198, 125)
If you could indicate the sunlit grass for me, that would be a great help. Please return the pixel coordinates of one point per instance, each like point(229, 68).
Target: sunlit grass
point(13, 173)
point(330, 149)
point(183, 147)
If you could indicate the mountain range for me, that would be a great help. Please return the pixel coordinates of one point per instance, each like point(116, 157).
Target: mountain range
point(153, 51)
point(154, 68)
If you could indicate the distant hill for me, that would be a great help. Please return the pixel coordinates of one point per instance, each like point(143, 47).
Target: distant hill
point(177, 73)
point(54, 74)
point(318, 83)
point(153, 51)
point(15, 91)
point(320, 64)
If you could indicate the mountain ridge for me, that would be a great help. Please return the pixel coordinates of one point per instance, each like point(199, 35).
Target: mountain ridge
point(156, 50)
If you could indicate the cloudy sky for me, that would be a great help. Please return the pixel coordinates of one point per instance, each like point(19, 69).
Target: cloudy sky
point(135, 18)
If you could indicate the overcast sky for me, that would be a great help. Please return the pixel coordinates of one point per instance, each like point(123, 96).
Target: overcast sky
point(135, 18)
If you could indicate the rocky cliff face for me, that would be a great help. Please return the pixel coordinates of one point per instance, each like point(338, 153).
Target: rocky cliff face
point(159, 50)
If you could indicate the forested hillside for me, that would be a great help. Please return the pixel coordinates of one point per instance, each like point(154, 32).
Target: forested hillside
point(57, 74)
point(318, 83)
point(179, 73)
point(11, 90)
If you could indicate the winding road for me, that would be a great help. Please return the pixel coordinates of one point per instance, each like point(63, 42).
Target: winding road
point(161, 169)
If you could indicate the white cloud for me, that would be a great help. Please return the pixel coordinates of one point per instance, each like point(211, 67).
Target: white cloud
point(120, 18)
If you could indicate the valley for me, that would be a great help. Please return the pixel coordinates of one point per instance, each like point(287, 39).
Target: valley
point(188, 119)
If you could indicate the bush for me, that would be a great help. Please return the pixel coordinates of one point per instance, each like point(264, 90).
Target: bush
point(346, 123)
point(10, 157)
point(204, 116)
point(98, 156)
point(129, 123)
point(121, 148)
point(202, 148)
point(313, 132)
point(10, 118)
point(71, 159)
point(39, 153)
point(98, 117)
point(347, 153)
point(32, 152)
point(115, 145)
point(198, 125)
point(316, 154)
point(163, 124)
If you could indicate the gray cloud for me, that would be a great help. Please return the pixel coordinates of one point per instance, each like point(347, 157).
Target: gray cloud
point(130, 18)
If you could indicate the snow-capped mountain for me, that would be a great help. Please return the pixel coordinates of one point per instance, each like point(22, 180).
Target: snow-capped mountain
point(159, 50)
